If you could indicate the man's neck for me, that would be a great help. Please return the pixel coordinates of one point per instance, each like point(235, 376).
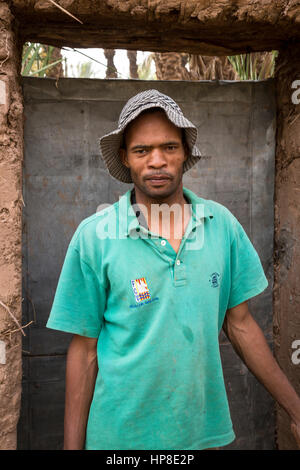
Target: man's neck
point(176, 197)
point(166, 216)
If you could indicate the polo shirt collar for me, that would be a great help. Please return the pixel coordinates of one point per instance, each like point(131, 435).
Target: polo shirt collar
point(129, 221)
point(200, 208)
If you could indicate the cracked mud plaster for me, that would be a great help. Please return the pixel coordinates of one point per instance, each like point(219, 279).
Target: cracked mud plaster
point(286, 296)
point(203, 9)
point(11, 151)
point(202, 27)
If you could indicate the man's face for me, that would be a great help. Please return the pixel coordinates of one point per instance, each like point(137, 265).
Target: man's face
point(154, 154)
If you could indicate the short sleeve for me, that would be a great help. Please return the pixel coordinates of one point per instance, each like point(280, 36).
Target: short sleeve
point(247, 275)
point(79, 301)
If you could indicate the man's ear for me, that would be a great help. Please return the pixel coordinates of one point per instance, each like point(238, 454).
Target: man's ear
point(123, 157)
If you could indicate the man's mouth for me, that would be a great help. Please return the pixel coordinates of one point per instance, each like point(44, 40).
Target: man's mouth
point(158, 180)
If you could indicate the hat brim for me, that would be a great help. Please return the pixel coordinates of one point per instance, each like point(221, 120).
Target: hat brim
point(110, 144)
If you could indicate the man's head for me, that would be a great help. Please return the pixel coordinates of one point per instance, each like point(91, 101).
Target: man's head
point(154, 150)
point(131, 119)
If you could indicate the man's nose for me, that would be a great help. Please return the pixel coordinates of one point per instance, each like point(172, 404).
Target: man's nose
point(157, 158)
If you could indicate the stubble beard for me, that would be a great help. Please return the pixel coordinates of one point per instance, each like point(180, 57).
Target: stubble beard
point(159, 194)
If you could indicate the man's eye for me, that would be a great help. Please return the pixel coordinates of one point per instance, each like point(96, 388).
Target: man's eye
point(140, 151)
point(171, 147)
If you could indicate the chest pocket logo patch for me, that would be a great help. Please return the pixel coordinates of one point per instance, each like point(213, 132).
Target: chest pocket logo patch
point(140, 289)
point(214, 279)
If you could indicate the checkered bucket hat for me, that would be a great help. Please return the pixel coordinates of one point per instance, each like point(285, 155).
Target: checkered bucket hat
point(110, 143)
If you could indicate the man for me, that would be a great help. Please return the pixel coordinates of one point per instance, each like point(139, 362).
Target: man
point(146, 292)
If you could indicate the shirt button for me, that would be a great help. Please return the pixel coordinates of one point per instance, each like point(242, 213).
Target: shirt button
point(178, 262)
point(163, 242)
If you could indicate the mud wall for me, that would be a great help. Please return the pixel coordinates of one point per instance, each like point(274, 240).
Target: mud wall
point(222, 27)
point(287, 229)
point(11, 151)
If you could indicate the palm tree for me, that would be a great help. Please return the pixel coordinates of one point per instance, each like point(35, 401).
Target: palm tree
point(145, 70)
point(211, 68)
point(111, 71)
point(41, 60)
point(182, 66)
point(171, 66)
point(254, 66)
point(133, 68)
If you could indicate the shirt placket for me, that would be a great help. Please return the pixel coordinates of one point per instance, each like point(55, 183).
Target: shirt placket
point(179, 267)
point(164, 249)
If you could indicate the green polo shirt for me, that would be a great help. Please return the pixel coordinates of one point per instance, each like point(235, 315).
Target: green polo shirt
point(157, 315)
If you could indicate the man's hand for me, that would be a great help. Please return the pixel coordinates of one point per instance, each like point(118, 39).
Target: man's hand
point(250, 344)
point(295, 428)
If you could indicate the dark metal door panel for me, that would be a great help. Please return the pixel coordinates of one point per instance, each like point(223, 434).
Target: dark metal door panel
point(64, 181)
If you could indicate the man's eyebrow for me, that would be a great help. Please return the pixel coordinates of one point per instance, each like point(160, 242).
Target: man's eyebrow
point(172, 142)
point(139, 146)
point(143, 146)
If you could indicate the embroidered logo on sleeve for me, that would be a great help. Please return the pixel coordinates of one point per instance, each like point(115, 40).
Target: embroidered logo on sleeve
point(140, 289)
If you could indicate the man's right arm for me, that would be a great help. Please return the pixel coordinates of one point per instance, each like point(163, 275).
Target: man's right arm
point(81, 373)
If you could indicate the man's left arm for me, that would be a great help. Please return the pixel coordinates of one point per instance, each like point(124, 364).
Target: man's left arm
point(250, 344)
